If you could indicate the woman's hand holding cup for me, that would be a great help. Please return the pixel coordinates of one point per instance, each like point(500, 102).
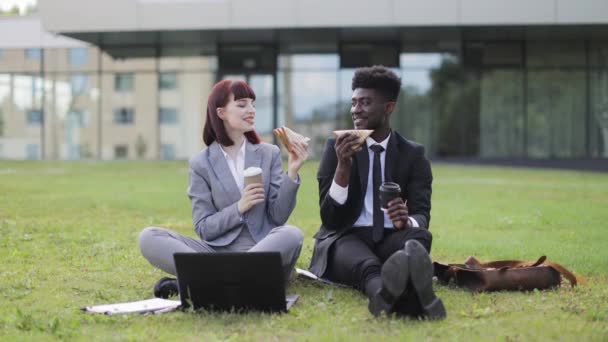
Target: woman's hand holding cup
point(253, 193)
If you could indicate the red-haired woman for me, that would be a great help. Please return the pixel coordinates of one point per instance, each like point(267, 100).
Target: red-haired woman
point(227, 215)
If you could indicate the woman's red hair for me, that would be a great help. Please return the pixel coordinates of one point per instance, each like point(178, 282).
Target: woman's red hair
point(214, 129)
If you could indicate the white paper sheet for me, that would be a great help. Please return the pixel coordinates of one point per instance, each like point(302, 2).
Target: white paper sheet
point(154, 305)
point(310, 275)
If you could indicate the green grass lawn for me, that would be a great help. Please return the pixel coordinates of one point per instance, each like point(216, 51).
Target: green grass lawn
point(68, 238)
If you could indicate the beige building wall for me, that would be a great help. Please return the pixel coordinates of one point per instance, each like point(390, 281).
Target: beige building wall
point(80, 102)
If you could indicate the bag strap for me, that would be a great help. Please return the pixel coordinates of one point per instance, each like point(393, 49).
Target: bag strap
point(505, 264)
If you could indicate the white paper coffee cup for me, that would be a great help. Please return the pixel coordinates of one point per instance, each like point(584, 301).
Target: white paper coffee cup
point(252, 175)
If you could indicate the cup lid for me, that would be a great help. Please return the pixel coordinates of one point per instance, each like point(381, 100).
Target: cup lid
point(390, 186)
point(252, 171)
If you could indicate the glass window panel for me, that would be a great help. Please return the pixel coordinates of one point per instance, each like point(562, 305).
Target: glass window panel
point(33, 54)
point(167, 115)
point(309, 61)
point(167, 81)
point(124, 115)
point(75, 124)
point(598, 134)
point(420, 60)
point(502, 114)
point(434, 86)
point(455, 92)
point(27, 91)
point(79, 83)
point(236, 77)
point(555, 108)
point(598, 53)
point(78, 56)
point(79, 117)
point(191, 63)
point(568, 53)
point(343, 118)
point(32, 151)
point(308, 104)
point(5, 107)
point(253, 57)
point(189, 100)
point(262, 86)
point(354, 55)
point(414, 114)
point(34, 117)
point(123, 82)
point(502, 53)
point(167, 151)
point(25, 114)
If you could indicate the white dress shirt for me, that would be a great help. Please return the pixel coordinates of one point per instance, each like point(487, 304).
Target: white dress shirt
point(340, 194)
point(237, 166)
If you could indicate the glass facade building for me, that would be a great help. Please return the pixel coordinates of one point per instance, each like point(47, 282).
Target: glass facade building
point(473, 98)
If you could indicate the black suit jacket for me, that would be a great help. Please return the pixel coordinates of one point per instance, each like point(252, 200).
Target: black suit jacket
point(405, 164)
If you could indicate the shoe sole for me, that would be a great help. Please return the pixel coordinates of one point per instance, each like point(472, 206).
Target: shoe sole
point(159, 288)
point(394, 275)
point(421, 277)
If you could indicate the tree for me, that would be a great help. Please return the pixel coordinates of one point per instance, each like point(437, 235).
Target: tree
point(12, 11)
point(140, 147)
point(455, 92)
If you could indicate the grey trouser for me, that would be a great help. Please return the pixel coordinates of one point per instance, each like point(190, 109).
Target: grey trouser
point(158, 246)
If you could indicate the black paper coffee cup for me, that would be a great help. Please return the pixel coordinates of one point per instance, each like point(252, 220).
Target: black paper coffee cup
point(388, 192)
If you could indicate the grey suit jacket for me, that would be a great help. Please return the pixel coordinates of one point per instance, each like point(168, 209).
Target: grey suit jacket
point(214, 194)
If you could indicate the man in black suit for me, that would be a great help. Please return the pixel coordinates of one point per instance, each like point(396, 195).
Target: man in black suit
point(383, 254)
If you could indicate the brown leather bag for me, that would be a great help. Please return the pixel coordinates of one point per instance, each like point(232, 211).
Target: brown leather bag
point(512, 275)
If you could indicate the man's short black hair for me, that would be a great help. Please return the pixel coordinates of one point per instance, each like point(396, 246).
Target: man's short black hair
point(380, 78)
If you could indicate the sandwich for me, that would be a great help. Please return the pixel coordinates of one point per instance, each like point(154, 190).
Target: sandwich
point(288, 137)
point(361, 134)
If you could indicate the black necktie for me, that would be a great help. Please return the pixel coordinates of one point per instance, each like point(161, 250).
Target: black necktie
point(378, 228)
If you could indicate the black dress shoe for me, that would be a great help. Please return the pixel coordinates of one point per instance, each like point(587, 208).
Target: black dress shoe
point(394, 275)
point(165, 288)
point(421, 278)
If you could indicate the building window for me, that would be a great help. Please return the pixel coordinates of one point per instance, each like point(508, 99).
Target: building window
point(78, 56)
point(123, 82)
point(167, 151)
point(34, 117)
point(124, 116)
point(79, 83)
point(1, 123)
point(121, 151)
point(32, 151)
point(74, 152)
point(167, 80)
point(167, 115)
point(33, 54)
point(78, 118)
